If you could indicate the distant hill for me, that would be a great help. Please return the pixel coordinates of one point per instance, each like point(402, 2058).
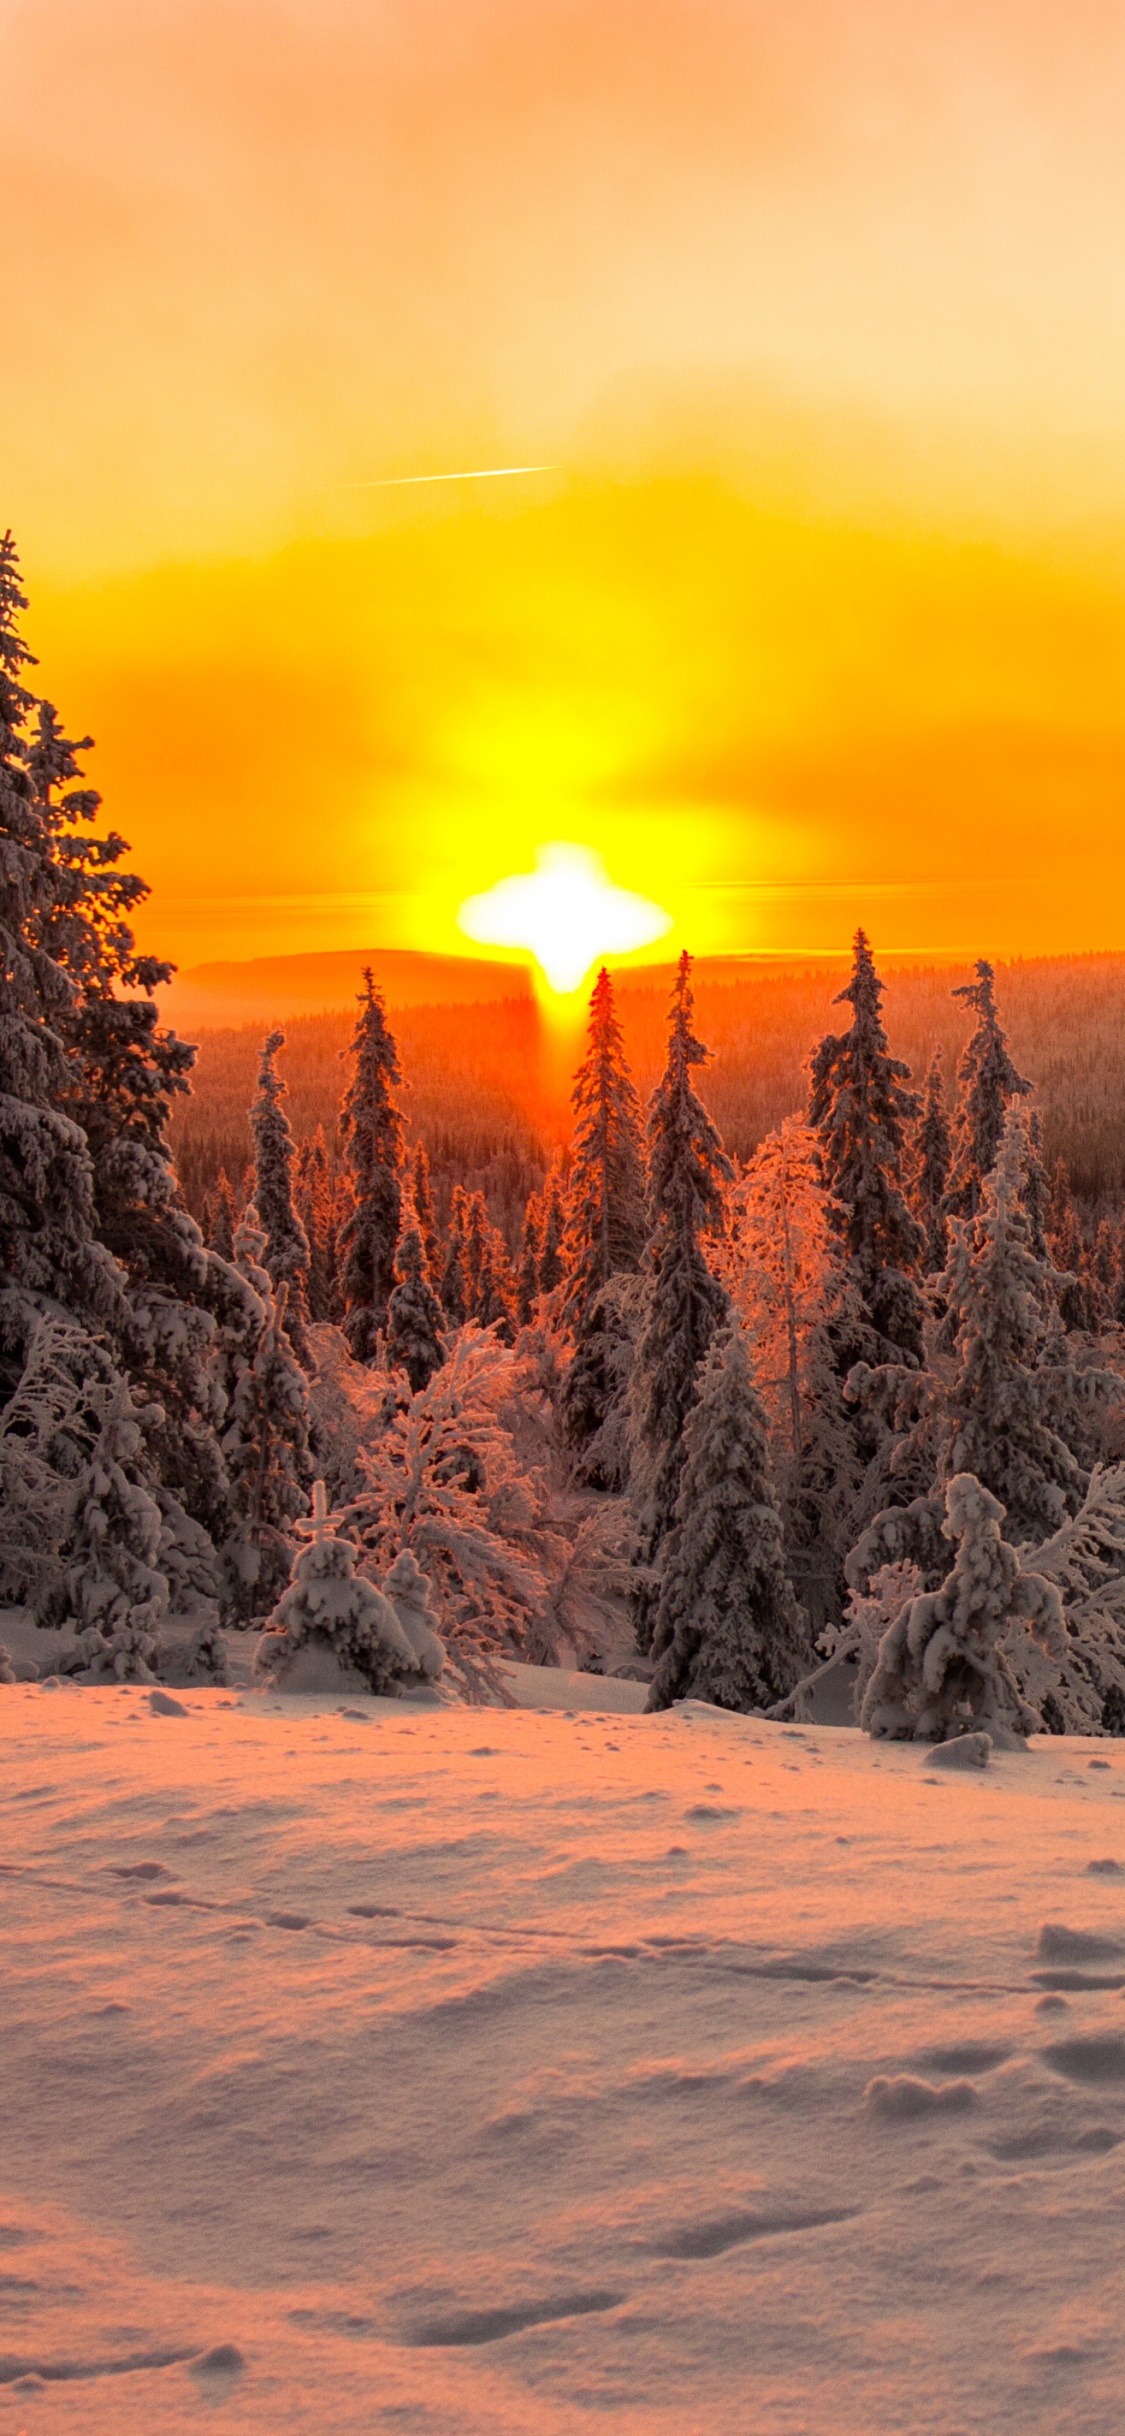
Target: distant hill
point(268, 989)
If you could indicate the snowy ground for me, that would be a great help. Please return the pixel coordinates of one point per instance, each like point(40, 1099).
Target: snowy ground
point(452, 2070)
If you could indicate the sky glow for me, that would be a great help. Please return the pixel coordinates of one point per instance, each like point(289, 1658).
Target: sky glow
point(814, 317)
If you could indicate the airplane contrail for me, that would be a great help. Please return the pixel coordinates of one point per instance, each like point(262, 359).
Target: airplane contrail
point(480, 473)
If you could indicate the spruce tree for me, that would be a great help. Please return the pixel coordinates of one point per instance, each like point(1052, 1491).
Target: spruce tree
point(728, 1628)
point(371, 1133)
point(860, 1108)
point(527, 1266)
point(988, 1080)
point(933, 1147)
point(423, 1199)
point(414, 1316)
point(287, 1245)
point(606, 1227)
point(552, 1231)
point(684, 1302)
point(944, 1667)
point(454, 1292)
point(222, 1217)
point(266, 1435)
point(50, 1261)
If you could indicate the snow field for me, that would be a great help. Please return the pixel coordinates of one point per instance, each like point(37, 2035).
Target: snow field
point(425, 2068)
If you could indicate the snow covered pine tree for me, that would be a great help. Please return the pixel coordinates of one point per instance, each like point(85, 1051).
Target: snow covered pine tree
point(606, 1226)
point(727, 1628)
point(371, 1133)
point(860, 1108)
point(286, 1254)
point(684, 1302)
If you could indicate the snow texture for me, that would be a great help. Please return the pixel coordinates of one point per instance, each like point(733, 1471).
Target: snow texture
point(485, 2072)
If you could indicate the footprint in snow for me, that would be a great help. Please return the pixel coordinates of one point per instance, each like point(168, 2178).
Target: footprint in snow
point(288, 1920)
point(1093, 2061)
point(472, 2327)
point(901, 2098)
point(714, 2235)
point(143, 1869)
point(1057, 1943)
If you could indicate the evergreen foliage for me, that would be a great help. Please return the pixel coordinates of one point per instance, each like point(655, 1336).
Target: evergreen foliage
point(414, 1317)
point(933, 1155)
point(552, 1231)
point(860, 1108)
point(328, 1607)
point(988, 1080)
point(727, 1626)
point(606, 1223)
point(113, 1592)
point(372, 1136)
point(685, 1303)
point(286, 1255)
point(943, 1668)
point(527, 1266)
point(422, 1195)
point(265, 1440)
point(454, 1286)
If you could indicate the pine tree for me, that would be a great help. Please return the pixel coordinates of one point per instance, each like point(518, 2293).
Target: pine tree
point(943, 1668)
point(266, 1436)
point(688, 1169)
point(474, 1253)
point(287, 1245)
point(1068, 1253)
point(454, 1292)
point(222, 1217)
point(414, 1316)
point(606, 1227)
point(496, 1288)
point(988, 1080)
point(329, 1608)
point(933, 1144)
point(114, 1593)
point(49, 1258)
point(785, 1270)
point(527, 1268)
point(423, 1199)
point(728, 1628)
point(1036, 1190)
point(860, 1109)
point(371, 1132)
point(552, 1231)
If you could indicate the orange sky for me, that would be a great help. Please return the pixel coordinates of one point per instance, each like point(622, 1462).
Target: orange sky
point(818, 309)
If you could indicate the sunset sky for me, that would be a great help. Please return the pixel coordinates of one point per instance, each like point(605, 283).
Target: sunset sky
point(814, 307)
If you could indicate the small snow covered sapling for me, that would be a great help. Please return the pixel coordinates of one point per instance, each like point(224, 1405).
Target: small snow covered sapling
point(114, 1593)
point(408, 1590)
point(328, 1606)
point(942, 1670)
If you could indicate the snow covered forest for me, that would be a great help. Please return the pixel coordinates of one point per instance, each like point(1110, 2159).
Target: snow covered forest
point(714, 1422)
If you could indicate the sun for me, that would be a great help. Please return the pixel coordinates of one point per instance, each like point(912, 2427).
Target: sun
point(567, 912)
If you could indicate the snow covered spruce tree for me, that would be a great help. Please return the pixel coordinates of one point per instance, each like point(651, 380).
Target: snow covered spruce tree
point(113, 1592)
point(727, 1626)
point(265, 1439)
point(527, 1263)
point(988, 1081)
point(607, 1225)
point(684, 1302)
point(422, 1195)
point(454, 1285)
point(943, 1667)
point(372, 1136)
point(860, 1108)
point(286, 1255)
point(785, 1269)
point(331, 1624)
point(50, 1260)
point(933, 1151)
point(415, 1318)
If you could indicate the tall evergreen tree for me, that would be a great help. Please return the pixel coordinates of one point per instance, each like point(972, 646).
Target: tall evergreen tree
point(371, 1132)
point(552, 1230)
point(422, 1195)
point(728, 1628)
point(933, 1146)
point(860, 1108)
point(988, 1080)
point(606, 1226)
point(50, 1260)
point(527, 1267)
point(414, 1316)
point(688, 1169)
point(221, 1217)
point(454, 1288)
point(287, 1244)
